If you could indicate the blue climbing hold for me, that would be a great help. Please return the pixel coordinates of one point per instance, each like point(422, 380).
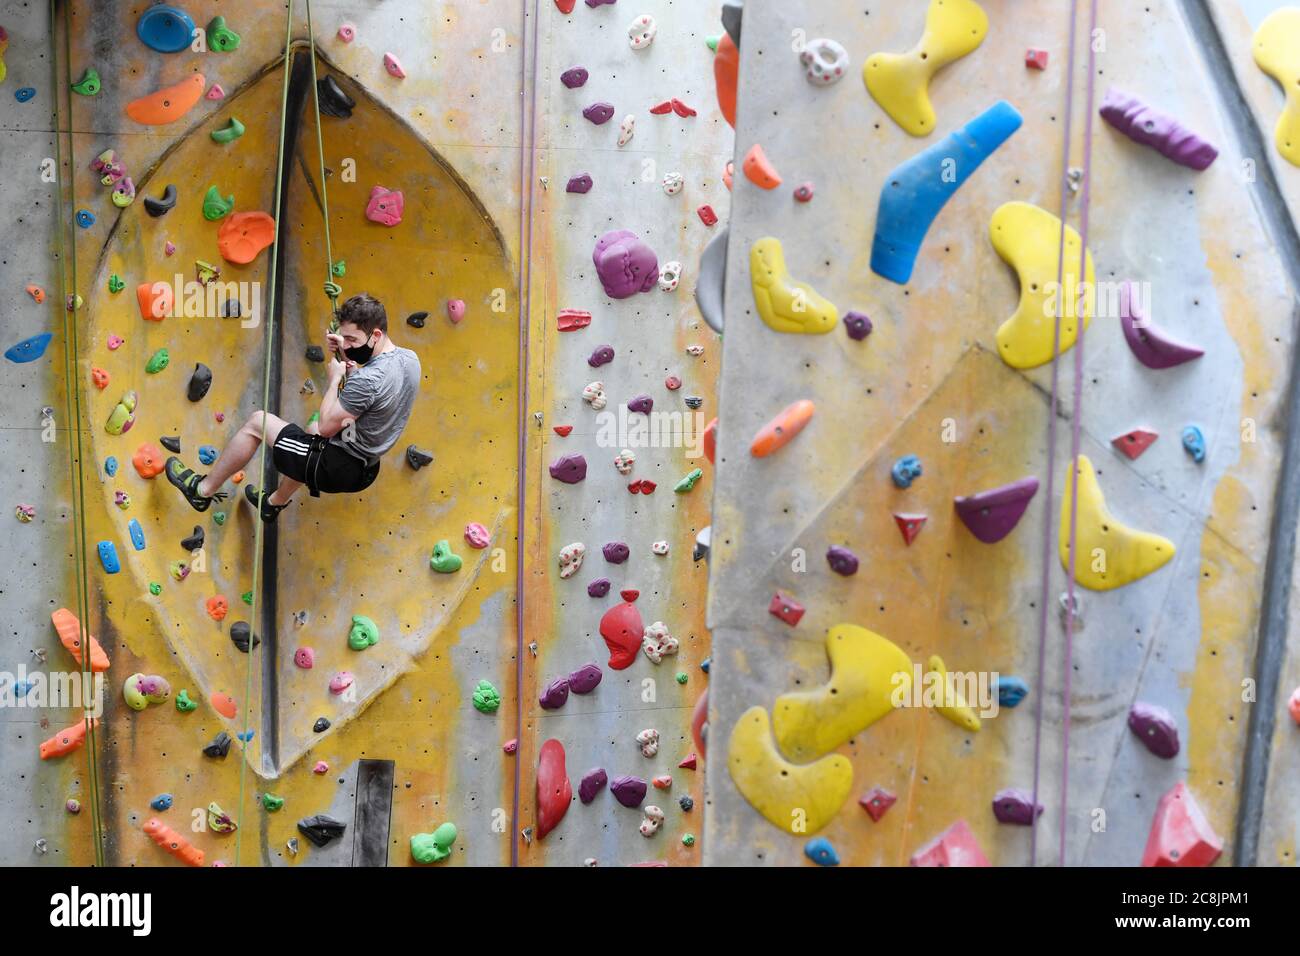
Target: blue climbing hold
point(1194, 443)
point(207, 454)
point(246, 736)
point(110, 466)
point(23, 687)
point(915, 191)
point(85, 218)
point(29, 350)
point(905, 471)
point(820, 851)
point(161, 802)
point(165, 29)
point(108, 557)
point(24, 94)
point(137, 534)
point(706, 664)
point(1011, 690)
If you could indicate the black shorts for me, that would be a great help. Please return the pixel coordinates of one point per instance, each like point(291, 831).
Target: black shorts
point(320, 465)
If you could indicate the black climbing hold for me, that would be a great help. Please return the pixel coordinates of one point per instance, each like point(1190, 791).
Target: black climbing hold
point(171, 443)
point(687, 804)
point(240, 633)
point(200, 382)
point(194, 541)
point(733, 12)
point(219, 747)
point(232, 309)
point(315, 353)
point(321, 829)
point(160, 207)
point(694, 401)
point(417, 458)
point(322, 724)
point(416, 319)
point(333, 101)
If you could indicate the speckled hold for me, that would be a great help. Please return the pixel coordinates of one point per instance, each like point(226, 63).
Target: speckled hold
point(1156, 728)
point(599, 113)
point(569, 469)
point(642, 404)
point(906, 470)
point(574, 77)
point(585, 679)
point(579, 184)
point(603, 355)
point(1015, 806)
point(599, 587)
point(857, 325)
point(842, 560)
point(616, 552)
point(593, 781)
point(629, 791)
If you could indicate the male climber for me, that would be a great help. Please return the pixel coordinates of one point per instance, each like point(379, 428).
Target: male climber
point(358, 424)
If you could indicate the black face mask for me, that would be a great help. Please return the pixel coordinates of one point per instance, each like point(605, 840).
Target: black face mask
point(360, 353)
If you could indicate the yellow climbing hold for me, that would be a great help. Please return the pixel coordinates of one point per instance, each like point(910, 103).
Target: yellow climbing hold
point(1277, 52)
point(865, 670)
point(1109, 554)
point(784, 304)
point(797, 799)
point(952, 702)
point(900, 82)
point(1029, 238)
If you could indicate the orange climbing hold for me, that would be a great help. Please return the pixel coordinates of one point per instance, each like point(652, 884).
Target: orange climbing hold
point(243, 235)
point(223, 704)
point(759, 170)
point(37, 293)
point(99, 377)
point(218, 607)
point(729, 174)
point(156, 300)
point(173, 842)
point(70, 636)
point(238, 476)
point(148, 461)
point(66, 740)
point(168, 104)
point(726, 74)
point(777, 433)
point(711, 440)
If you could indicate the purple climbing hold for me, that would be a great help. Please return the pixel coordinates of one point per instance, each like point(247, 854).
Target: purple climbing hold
point(599, 113)
point(1015, 806)
point(1161, 132)
point(599, 588)
point(574, 78)
point(600, 3)
point(1152, 347)
point(991, 515)
point(555, 695)
point(593, 781)
point(579, 184)
point(616, 552)
point(842, 560)
point(642, 404)
point(1155, 727)
point(629, 791)
point(569, 469)
point(625, 264)
point(585, 679)
point(602, 356)
point(857, 325)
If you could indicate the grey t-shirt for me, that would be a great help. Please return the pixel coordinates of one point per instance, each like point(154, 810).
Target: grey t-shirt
point(381, 394)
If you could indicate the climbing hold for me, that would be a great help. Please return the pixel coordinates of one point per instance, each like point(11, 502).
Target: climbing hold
point(140, 691)
point(85, 218)
point(417, 457)
point(622, 629)
point(629, 791)
point(702, 540)
point(228, 133)
point(1029, 239)
point(593, 781)
point(215, 93)
point(626, 129)
point(71, 636)
point(433, 847)
point(991, 515)
point(785, 304)
point(821, 852)
point(242, 636)
point(1011, 690)
point(66, 740)
point(124, 193)
point(654, 819)
point(669, 276)
point(334, 101)
point(305, 658)
point(555, 694)
point(363, 633)
point(1277, 53)
point(599, 588)
point(1194, 443)
point(23, 94)
point(157, 362)
point(322, 724)
point(200, 382)
point(707, 215)
point(842, 560)
point(137, 534)
point(28, 350)
point(953, 705)
point(168, 104)
point(321, 829)
point(659, 547)
point(569, 469)
point(642, 486)
point(825, 61)
point(570, 320)
point(165, 29)
point(787, 609)
point(579, 184)
point(672, 383)
point(207, 454)
point(386, 206)
point(115, 283)
point(657, 642)
point(603, 355)
point(594, 395)
point(599, 113)
point(625, 264)
point(673, 183)
point(178, 570)
point(37, 293)
point(148, 461)
point(726, 72)
point(217, 605)
point(1155, 727)
point(585, 679)
point(122, 500)
point(72, 806)
point(155, 299)
point(689, 481)
point(681, 109)
point(574, 77)
point(394, 66)
point(185, 704)
point(1180, 834)
point(616, 552)
point(1016, 806)
point(906, 470)
point(89, 84)
point(214, 207)
point(1109, 554)
point(443, 559)
point(1161, 132)
point(272, 803)
point(25, 513)
point(1133, 443)
point(759, 170)
point(1036, 59)
point(782, 429)
point(955, 846)
point(1152, 347)
point(341, 681)
point(900, 83)
point(554, 792)
point(571, 556)
point(159, 207)
point(477, 535)
point(648, 741)
point(220, 37)
point(877, 802)
point(795, 798)
point(641, 404)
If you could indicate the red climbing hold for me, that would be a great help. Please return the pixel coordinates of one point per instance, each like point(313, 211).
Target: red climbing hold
point(786, 609)
point(629, 594)
point(726, 76)
point(643, 486)
point(707, 215)
point(565, 6)
point(711, 440)
point(571, 319)
point(660, 109)
point(622, 628)
point(1134, 443)
point(563, 430)
point(955, 846)
point(877, 802)
point(1036, 59)
point(681, 109)
point(910, 525)
point(1180, 834)
point(688, 763)
point(700, 724)
point(554, 792)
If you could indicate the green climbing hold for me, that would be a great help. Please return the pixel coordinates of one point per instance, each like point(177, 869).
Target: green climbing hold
point(272, 802)
point(247, 598)
point(444, 561)
point(183, 702)
point(89, 84)
point(115, 283)
point(220, 37)
point(157, 362)
point(682, 677)
point(315, 417)
point(713, 42)
point(687, 483)
point(214, 207)
point(486, 697)
point(230, 132)
point(433, 847)
point(339, 269)
point(219, 517)
point(206, 271)
point(688, 839)
point(364, 633)
point(155, 588)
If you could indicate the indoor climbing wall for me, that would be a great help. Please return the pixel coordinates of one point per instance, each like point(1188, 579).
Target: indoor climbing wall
point(915, 524)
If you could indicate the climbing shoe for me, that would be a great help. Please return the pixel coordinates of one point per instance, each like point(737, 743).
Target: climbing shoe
point(188, 483)
point(262, 502)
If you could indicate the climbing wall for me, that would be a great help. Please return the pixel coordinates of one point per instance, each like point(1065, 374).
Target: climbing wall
point(824, 523)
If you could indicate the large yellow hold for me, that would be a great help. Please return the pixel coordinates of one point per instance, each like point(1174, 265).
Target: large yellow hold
point(866, 671)
point(1277, 52)
point(797, 799)
point(900, 82)
point(1109, 554)
point(1029, 239)
point(783, 303)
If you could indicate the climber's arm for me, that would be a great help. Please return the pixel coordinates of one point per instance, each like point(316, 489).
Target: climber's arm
point(333, 416)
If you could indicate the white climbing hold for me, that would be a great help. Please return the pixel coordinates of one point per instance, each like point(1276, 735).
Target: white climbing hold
point(696, 350)
point(657, 642)
point(826, 61)
point(670, 274)
point(626, 129)
point(673, 183)
point(594, 395)
point(571, 556)
point(654, 819)
point(649, 741)
point(642, 32)
point(659, 547)
point(623, 461)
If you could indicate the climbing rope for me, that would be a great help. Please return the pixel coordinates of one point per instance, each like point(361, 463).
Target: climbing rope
point(333, 291)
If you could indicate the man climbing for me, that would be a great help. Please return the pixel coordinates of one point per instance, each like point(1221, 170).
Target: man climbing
point(340, 452)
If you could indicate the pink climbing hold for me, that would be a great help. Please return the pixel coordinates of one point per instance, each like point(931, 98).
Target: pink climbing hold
point(215, 92)
point(347, 32)
point(554, 792)
point(1293, 706)
point(622, 628)
point(992, 515)
point(386, 206)
point(1133, 443)
point(305, 658)
point(955, 846)
point(455, 310)
point(1180, 834)
point(570, 320)
point(477, 535)
point(510, 746)
point(394, 66)
point(1156, 728)
point(320, 768)
point(877, 802)
point(689, 763)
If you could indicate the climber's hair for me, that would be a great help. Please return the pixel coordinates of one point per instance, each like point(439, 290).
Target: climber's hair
point(365, 312)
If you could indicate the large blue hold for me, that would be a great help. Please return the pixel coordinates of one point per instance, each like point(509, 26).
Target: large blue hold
point(108, 557)
point(916, 191)
point(820, 851)
point(29, 350)
point(165, 29)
